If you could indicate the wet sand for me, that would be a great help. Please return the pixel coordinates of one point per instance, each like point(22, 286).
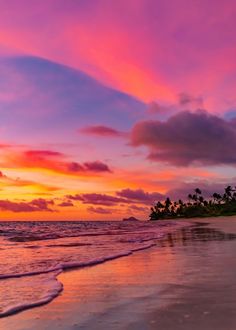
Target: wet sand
point(186, 282)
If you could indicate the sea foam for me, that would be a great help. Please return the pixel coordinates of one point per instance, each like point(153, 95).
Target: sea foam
point(36, 252)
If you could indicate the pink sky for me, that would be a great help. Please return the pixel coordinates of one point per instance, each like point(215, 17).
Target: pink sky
point(100, 99)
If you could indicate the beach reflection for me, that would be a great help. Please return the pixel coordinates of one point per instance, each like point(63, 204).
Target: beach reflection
point(195, 264)
point(199, 233)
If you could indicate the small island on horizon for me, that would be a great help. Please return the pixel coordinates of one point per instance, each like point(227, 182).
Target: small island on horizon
point(196, 206)
point(132, 219)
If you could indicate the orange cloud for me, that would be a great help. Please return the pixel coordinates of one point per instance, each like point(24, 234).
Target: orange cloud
point(6, 181)
point(54, 161)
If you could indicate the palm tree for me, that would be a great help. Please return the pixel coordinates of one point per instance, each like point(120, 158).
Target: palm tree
point(217, 197)
point(201, 200)
point(198, 191)
point(197, 206)
point(167, 203)
point(228, 193)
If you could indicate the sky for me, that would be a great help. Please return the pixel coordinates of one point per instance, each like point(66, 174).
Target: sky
point(109, 106)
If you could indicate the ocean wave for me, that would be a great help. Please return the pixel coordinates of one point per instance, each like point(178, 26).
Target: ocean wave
point(55, 286)
point(50, 292)
point(78, 247)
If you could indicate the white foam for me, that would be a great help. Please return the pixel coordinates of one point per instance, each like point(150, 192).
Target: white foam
point(53, 289)
point(42, 266)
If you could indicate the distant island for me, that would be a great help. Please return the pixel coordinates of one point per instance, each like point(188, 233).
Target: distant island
point(130, 219)
point(197, 206)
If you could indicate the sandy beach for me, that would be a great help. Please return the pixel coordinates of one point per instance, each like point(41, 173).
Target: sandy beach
point(187, 281)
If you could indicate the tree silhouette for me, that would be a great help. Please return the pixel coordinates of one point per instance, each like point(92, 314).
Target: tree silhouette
point(196, 206)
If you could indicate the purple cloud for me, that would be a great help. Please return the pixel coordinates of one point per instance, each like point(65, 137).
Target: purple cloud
point(99, 210)
point(96, 166)
point(75, 197)
point(100, 130)
point(186, 99)
point(125, 196)
point(102, 199)
point(75, 167)
point(66, 204)
point(187, 138)
point(32, 206)
point(42, 204)
point(140, 195)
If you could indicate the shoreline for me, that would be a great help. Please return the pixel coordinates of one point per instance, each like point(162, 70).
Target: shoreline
point(170, 281)
point(169, 226)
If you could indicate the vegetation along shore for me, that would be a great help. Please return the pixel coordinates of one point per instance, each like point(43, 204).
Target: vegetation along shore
point(196, 206)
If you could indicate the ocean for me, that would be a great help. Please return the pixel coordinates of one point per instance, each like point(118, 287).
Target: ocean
point(32, 254)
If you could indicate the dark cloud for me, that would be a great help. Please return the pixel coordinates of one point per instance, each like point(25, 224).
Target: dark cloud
point(140, 195)
point(100, 130)
point(187, 138)
point(99, 210)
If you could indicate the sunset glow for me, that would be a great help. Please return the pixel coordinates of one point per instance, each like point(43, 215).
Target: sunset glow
point(109, 106)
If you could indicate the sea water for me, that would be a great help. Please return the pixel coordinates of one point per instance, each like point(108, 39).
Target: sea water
point(32, 254)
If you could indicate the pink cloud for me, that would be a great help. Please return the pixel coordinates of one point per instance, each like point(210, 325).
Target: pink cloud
point(55, 161)
point(103, 131)
point(39, 154)
point(32, 206)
